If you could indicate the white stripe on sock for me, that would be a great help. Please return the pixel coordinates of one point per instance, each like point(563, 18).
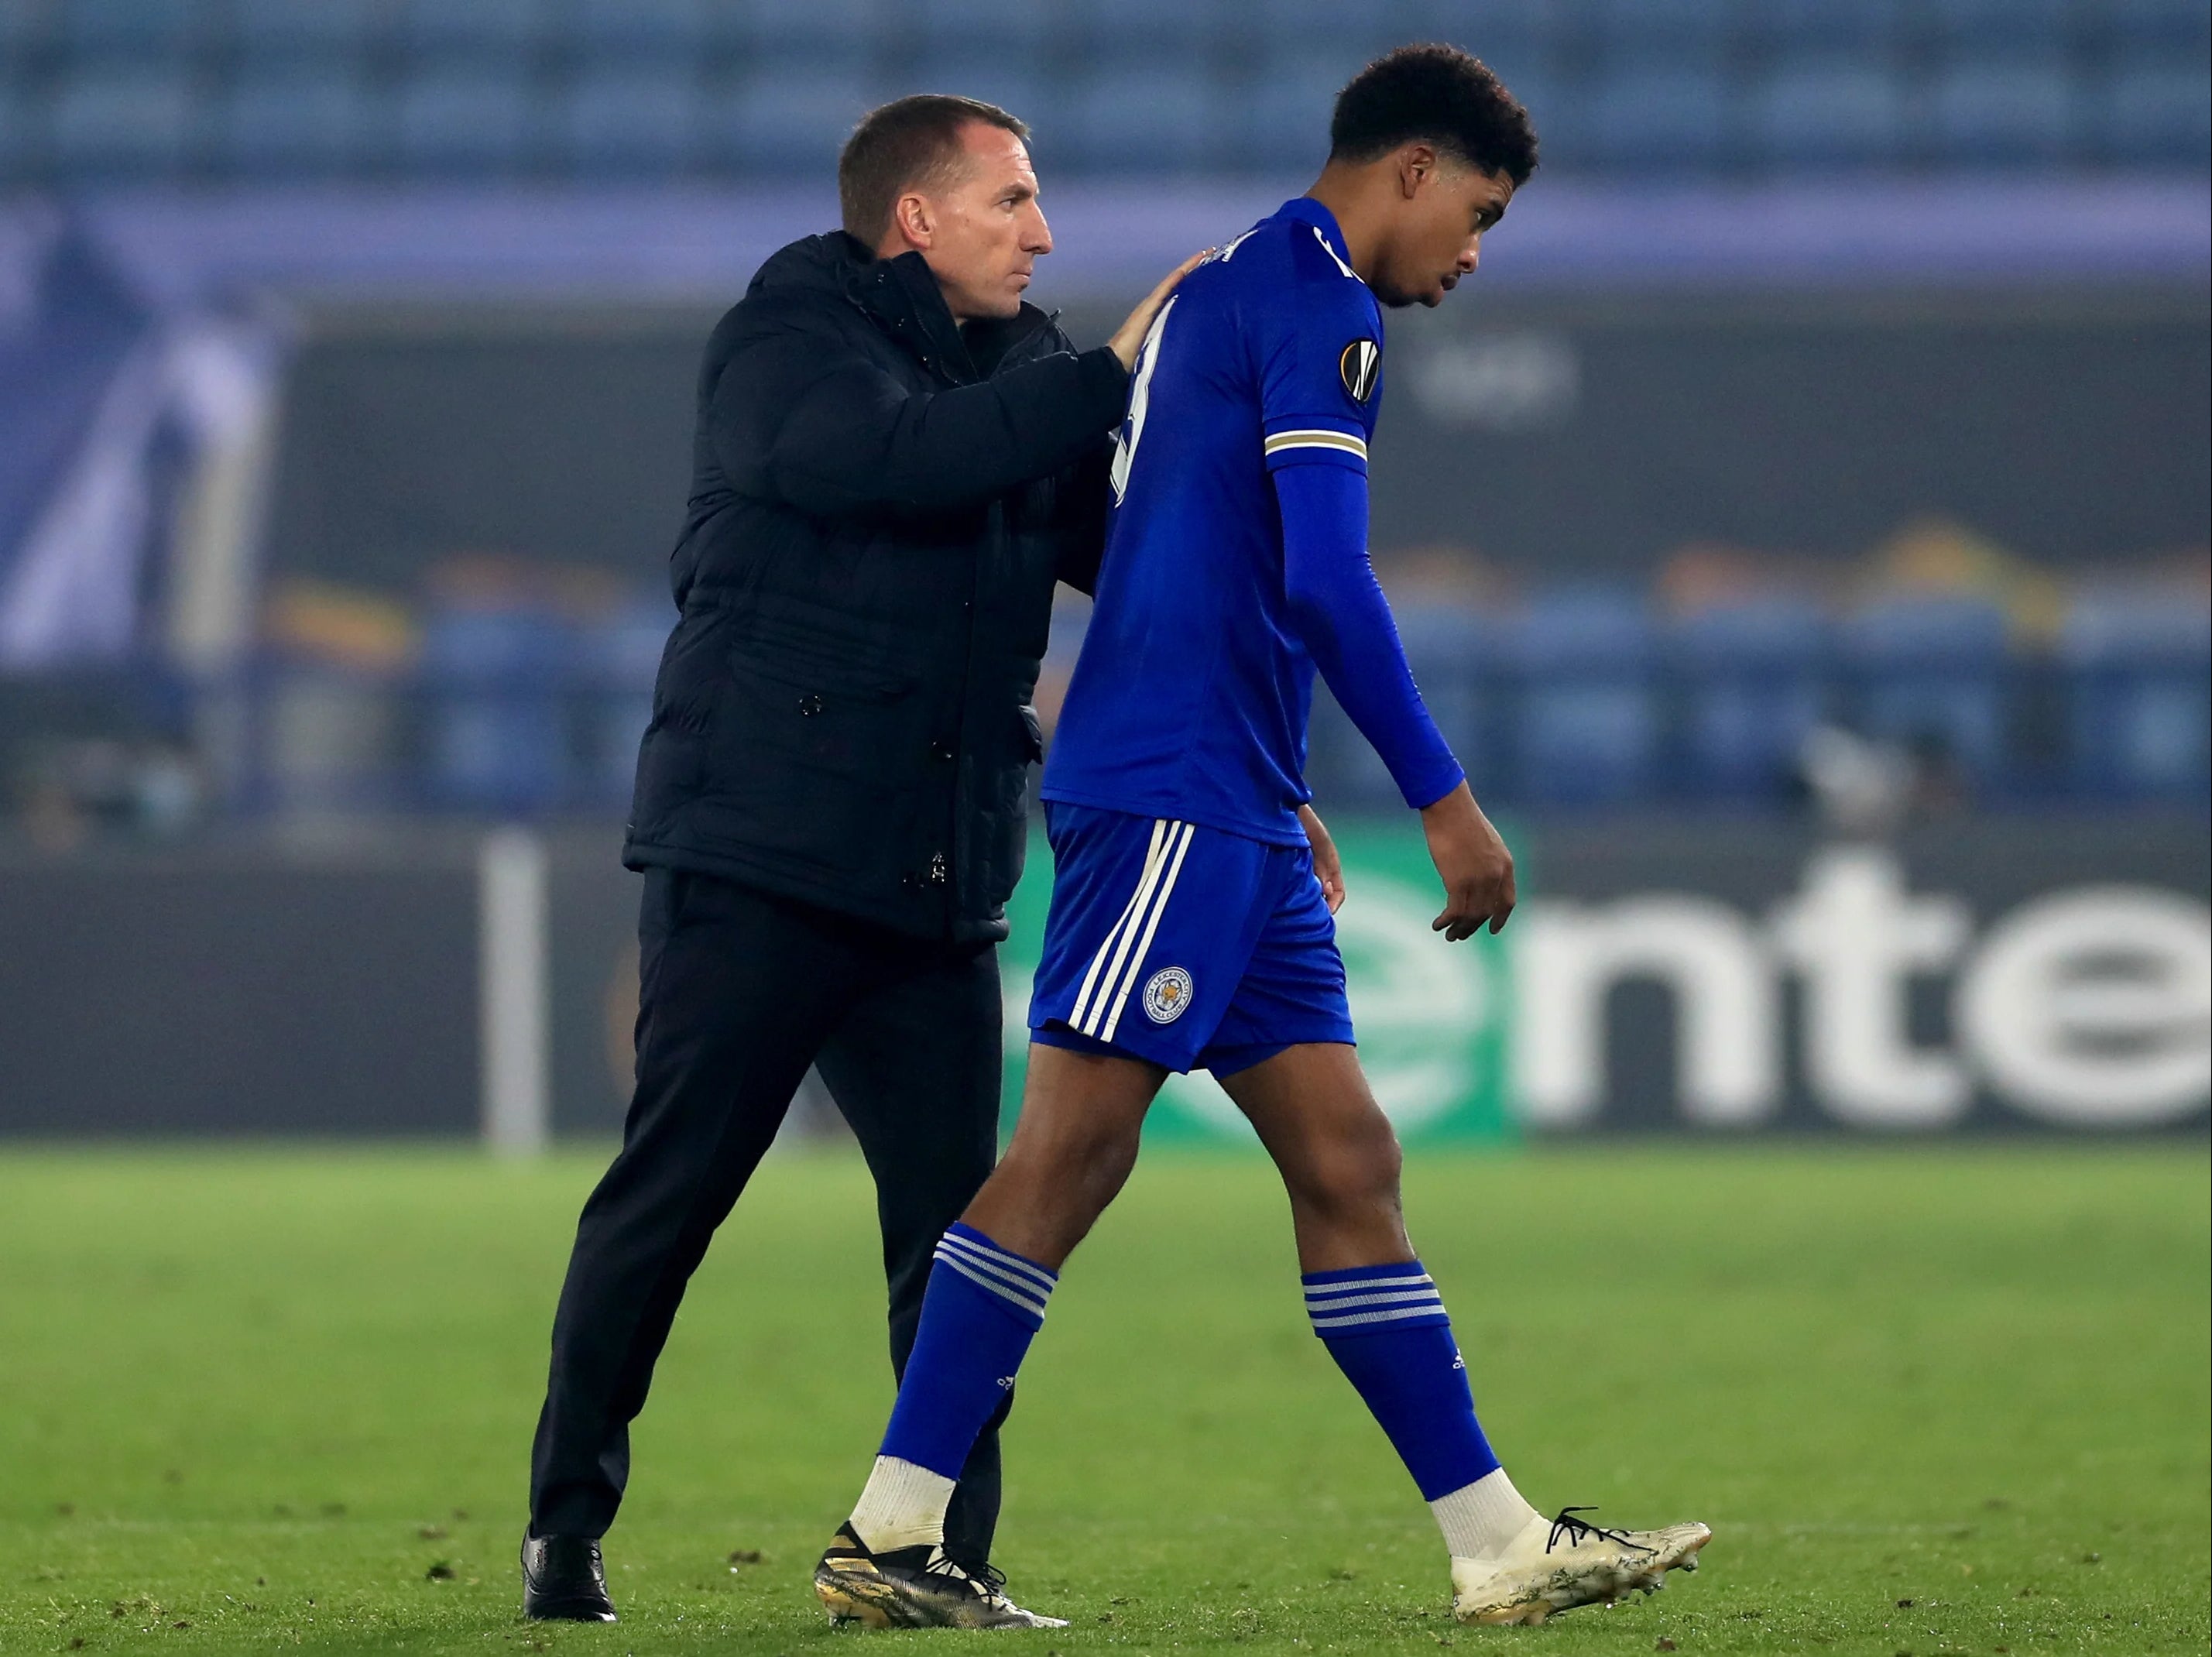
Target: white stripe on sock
point(1318, 1308)
point(1004, 1289)
point(1434, 1309)
point(1423, 1281)
point(1036, 1274)
point(996, 1271)
point(1152, 926)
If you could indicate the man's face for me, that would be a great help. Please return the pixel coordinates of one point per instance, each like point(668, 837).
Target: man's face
point(986, 231)
point(1435, 236)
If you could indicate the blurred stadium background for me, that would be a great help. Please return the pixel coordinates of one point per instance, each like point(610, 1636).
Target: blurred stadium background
point(1801, 527)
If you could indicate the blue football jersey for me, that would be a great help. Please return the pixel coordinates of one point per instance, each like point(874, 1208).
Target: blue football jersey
point(1190, 698)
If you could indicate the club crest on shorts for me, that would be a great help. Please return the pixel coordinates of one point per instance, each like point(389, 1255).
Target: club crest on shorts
point(1361, 362)
point(1167, 992)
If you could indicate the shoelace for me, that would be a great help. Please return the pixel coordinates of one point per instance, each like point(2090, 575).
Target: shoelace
point(1578, 1532)
point(986, 1580)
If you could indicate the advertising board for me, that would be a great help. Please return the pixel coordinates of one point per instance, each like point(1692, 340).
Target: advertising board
point(1663, 975)
point(1991, 976)
point(221, 992)
point(1434, 1019)
point(2004, 974)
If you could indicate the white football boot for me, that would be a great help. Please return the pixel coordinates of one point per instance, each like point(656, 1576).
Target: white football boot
point(1556, 1564)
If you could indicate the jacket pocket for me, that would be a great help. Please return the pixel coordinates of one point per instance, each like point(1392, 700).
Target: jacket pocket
point(815, 647)
point(786, 661)
point(784, 809)
point(835, 716)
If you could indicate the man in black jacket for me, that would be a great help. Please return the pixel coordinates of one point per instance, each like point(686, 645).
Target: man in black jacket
point(896, 456)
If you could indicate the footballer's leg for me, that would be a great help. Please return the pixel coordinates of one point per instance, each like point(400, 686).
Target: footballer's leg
point(994, 1273)
point(1380, 1314)
point(1152, 922)
point(1083, 1114)
point(917, 1069)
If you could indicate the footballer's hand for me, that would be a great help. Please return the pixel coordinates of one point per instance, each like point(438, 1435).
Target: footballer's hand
point(1329, 868)
point(1476, 868)
point(1129, 338)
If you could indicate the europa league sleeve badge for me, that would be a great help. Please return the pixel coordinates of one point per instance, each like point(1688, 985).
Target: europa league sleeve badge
point(1359, 367)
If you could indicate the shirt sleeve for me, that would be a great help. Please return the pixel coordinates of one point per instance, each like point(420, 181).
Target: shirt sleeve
point(1341, 616)
point(1321, 371)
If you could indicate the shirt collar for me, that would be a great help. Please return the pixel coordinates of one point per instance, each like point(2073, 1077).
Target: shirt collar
point(1307, 210)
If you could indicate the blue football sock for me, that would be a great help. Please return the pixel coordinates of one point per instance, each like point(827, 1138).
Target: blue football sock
point(1385, 1327)
point(982, 1306)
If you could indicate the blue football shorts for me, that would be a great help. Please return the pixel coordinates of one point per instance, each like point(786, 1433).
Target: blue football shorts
point(1192, 948)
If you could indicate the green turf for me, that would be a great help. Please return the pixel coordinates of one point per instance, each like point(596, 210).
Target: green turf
point(1930, 1400)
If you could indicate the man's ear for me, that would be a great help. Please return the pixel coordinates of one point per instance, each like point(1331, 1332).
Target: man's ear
point(912, 222)
point(1416, 162)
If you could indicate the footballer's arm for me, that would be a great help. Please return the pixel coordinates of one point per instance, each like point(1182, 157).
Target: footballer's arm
point(1346, 625)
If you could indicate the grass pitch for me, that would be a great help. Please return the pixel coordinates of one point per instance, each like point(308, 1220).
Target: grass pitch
point(1932, 1400)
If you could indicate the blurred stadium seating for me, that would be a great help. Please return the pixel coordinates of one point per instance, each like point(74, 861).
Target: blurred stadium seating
point(2139, 673)
point(100, 92)
point(1576, 698)
point(1753, 675)
point(1585, 723)
point(1573, 698)
point(1561, 697)
point(1582, 697)
point(492, 677)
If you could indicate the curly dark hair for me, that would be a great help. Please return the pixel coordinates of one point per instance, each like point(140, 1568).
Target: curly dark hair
point(1434, 94)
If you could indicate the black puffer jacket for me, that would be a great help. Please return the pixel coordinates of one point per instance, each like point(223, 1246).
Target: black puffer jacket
point(880, 504)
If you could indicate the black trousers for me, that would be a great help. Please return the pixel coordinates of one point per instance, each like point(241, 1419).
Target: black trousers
point(739, 992)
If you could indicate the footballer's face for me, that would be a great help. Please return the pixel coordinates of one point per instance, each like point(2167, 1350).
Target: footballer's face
point(983, 232)
point(1435, 238)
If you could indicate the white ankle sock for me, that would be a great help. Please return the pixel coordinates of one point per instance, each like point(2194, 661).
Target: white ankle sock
point(1478, 1520)
point(903, 1505)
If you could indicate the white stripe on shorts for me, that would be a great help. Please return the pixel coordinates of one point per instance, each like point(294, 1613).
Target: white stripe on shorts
point(1105, 948)
point(1173, 836)
point(1151, 925)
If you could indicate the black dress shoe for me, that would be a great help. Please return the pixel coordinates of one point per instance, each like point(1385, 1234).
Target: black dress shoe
point(563, 1581)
